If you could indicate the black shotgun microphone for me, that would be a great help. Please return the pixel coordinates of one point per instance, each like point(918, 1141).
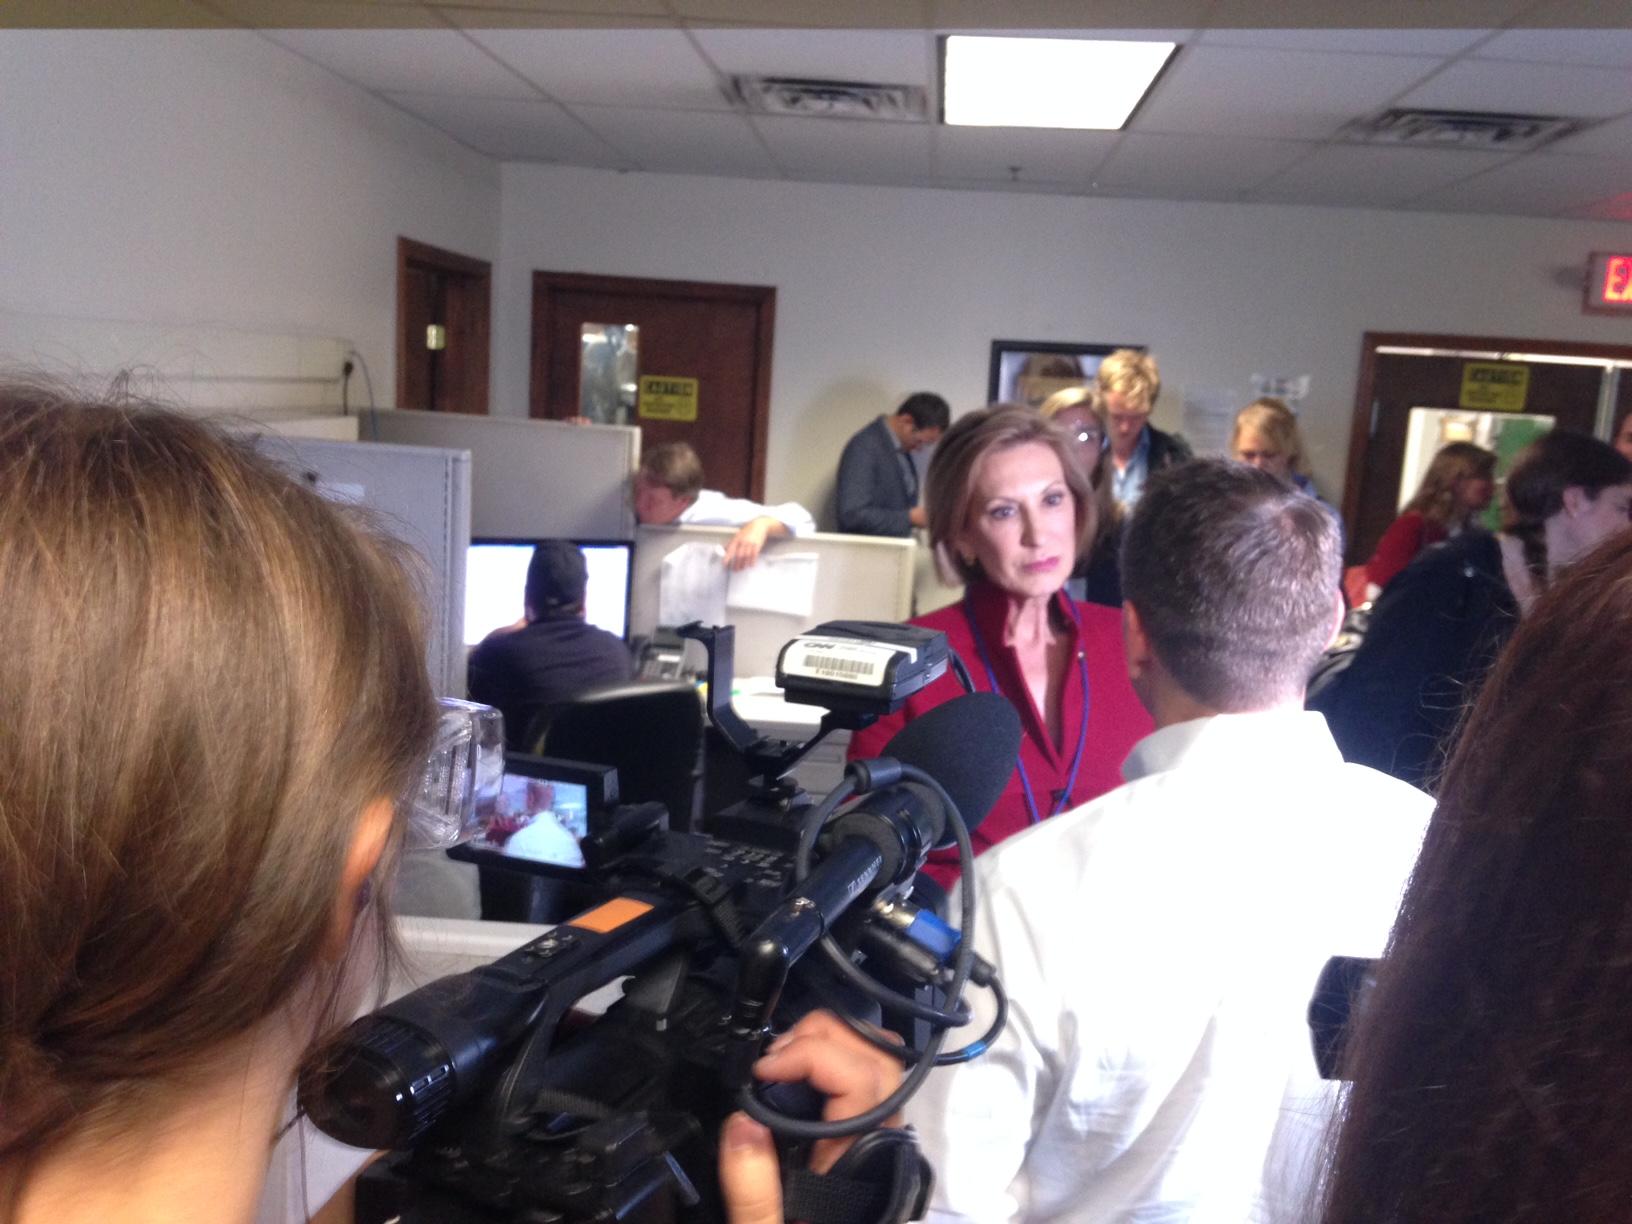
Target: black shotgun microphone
point(969, 745)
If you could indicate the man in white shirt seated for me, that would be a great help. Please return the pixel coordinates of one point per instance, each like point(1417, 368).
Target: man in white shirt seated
point(1159, 945)
point(669, 489)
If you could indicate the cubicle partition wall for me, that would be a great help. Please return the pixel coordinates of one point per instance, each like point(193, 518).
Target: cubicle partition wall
point(532, 479)
point(421, 495)
point(857, 578)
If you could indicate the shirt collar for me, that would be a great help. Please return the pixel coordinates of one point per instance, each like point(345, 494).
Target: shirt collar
point(1230, 743)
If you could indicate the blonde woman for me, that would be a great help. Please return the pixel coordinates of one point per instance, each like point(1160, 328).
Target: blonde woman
point(1459, 483)
point(1080, 413)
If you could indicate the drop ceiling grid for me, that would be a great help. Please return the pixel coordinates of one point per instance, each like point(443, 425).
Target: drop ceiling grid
point(1265, 106)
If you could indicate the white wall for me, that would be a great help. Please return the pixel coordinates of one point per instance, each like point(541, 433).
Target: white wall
point(881, 291)
point(210, 177)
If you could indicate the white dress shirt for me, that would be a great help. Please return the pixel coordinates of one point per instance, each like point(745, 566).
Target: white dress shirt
point(1159, 947)
point(714, 509)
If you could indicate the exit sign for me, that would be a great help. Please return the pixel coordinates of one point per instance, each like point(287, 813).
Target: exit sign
point(1609, 283)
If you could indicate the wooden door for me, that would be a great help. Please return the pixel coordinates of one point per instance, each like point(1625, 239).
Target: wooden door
point(707, 345)
point(1394, 386)
point(452, 292)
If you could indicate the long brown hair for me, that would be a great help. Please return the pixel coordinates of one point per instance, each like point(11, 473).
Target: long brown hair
point(1436, 497)
point(950, 481)
point(1493, 1062)
point(209, 673)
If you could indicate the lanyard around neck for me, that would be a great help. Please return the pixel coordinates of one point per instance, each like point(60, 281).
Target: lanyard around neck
point(1082, 730)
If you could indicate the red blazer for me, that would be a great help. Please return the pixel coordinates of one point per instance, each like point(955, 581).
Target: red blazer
point(1406, 536)
point(1116, 720)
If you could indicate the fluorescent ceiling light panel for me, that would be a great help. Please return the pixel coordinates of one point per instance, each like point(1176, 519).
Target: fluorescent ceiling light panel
point(1046, 82)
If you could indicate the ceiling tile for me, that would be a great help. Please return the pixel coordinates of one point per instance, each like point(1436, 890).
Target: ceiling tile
point(848, 150)
point(407, 61)
point(1271, 93)
point(1545, 89)
point(1370, 176)
point(1374, 41)
point(1605, 48)
point(1043, 15)
point(610, 67)
point(887, 56)
point(689, 142)
point(512, 130)
point(1208, 166)
point(1535, 185)
point(1611, 139)
point(986, 154)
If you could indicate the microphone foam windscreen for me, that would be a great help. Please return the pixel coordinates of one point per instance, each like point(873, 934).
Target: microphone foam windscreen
point(969, 745)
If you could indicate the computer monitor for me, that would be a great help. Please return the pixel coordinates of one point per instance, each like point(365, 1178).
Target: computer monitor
point(496, 584)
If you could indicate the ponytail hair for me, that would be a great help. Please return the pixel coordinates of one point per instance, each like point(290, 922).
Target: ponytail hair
point(1556, 461)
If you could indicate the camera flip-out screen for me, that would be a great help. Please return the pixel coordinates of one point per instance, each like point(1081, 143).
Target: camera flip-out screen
point(542, 811)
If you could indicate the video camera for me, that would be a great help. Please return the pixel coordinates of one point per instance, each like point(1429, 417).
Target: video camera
point(504, 1105)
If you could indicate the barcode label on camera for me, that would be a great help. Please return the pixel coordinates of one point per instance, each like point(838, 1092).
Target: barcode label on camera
point(864, 664)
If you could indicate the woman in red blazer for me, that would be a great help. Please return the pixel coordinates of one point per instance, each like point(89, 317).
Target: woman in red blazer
point(1009, 511)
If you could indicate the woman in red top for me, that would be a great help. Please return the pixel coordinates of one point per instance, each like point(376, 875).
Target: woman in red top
point(1460, 483)
point(1009, 511)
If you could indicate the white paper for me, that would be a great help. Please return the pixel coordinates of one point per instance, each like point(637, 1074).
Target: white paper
point(1209, 420)
point(777, 582)
point(692, 586)
point(1292, 389)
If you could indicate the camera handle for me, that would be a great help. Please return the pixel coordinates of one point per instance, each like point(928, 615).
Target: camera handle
point(769, 760)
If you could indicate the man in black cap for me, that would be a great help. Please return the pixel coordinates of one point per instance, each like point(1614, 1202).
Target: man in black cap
point(554, 655)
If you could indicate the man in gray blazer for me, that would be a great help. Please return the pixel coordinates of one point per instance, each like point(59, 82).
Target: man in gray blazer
point(878, 484)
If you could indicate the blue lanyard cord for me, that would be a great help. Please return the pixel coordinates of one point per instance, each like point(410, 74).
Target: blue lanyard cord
point(1082, 730)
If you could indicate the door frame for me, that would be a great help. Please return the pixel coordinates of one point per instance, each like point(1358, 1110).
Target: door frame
point(1488, 348)
point(762, 298)
point(472, 280)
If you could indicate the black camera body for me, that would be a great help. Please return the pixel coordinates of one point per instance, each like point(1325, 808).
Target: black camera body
point(503, 1104)
point(584, 1122)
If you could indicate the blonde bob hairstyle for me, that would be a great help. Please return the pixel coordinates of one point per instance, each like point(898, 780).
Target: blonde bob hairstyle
point(1273, 421)
point(210, 672)
point(1130, 373)
point(1090, 398)
point(949, 485)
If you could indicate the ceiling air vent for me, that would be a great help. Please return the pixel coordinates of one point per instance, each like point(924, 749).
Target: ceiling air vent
point(831, 99)
point(1438, 129)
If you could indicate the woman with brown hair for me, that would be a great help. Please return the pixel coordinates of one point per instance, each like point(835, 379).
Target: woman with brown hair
point(1491, 1060)
point(1010, 510)
point(1080, 413)
point(213, 712)
point(1435, 630)
point(1459, 483)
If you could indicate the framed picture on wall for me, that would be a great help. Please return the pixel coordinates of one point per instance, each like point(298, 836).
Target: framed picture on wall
point(1029, 371)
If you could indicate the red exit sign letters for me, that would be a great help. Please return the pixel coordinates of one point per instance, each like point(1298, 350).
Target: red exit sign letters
point(1609, 283)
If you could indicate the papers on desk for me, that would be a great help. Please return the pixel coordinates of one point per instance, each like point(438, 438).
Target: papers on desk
point(696, 586)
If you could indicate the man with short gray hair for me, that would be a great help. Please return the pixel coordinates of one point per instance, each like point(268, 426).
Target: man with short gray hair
point(1159, 945)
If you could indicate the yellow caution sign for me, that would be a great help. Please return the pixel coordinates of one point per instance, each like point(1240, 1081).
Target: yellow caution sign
point(668, 399)
point(1494, 386)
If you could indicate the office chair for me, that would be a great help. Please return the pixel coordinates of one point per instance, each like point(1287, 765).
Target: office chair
point(652, 734)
